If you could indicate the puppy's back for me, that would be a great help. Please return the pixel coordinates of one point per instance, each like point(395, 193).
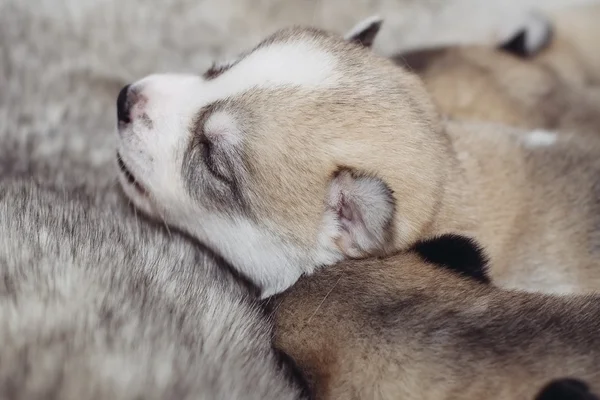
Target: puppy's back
point(402, 328)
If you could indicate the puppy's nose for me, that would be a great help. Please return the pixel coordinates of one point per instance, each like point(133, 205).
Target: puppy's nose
point(123, 106)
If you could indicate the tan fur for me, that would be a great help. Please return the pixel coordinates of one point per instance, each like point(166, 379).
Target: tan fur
point(308, 144)
point(550, 90)
point(534, 209)
point(537, 208)
point(400, 328)
point(575, 52)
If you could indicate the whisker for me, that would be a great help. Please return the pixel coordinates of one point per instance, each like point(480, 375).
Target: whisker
point(323, 301)
point(157, 211)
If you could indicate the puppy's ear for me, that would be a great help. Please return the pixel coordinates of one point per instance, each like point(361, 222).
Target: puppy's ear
point(566, 389)
point(535, 35)
point(365, 31)
point(362, 208)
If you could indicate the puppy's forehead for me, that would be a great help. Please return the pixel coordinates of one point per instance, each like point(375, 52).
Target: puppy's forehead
point(287, 59)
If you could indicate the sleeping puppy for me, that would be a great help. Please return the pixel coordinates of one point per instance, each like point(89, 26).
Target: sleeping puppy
point(310, 149)
point(424, 324)
point(540, 78)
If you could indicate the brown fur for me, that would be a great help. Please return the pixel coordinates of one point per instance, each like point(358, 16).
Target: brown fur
point(551, 90)
point(400, 328)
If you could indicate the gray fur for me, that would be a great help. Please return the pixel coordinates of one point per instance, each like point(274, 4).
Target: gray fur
point(96, 304)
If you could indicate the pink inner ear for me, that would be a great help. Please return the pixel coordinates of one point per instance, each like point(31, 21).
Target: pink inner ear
point(344, 209)
point(348, 214)
point(363, 207)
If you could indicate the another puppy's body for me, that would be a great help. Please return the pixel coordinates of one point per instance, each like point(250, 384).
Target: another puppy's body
point(95, 304)
point(534, 197)
point(549, 89)
point(574, 53)
point(402, 328)
point(489, 85)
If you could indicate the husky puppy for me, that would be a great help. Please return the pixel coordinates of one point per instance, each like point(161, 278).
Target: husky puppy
point(410, 327)
point(95, 304)
point(538, 79)
point(311, 149)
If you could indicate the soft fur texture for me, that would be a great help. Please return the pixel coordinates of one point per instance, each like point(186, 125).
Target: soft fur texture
point(97, 304)
point(405, 327)
point(553, 86)
point(87, 285)
point(364, 166)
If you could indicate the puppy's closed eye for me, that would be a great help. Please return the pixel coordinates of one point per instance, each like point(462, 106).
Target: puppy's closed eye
point(210, 159)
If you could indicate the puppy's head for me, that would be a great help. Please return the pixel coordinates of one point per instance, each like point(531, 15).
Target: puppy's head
point(304, 151)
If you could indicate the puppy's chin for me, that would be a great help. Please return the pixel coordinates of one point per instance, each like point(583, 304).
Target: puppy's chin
point(139, 198)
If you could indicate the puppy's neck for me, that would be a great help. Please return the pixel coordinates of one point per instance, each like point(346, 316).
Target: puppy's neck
point(486, 188)
point(455, 213)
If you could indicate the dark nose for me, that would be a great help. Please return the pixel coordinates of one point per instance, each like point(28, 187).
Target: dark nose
point(123, 106)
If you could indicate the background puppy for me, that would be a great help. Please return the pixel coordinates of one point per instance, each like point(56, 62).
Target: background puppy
point(541, 78)
point(410, 326)
point(310, 149)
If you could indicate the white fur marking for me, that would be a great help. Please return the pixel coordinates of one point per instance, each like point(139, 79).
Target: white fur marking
point(292, 64)
point(537, 31)
point(222, 125)
point(539, 138)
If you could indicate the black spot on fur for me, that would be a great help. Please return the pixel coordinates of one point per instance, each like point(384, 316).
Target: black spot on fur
point(294, 374)
point(566, 389)
point(517, 45)
point(215, 70)
point(456, 253)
